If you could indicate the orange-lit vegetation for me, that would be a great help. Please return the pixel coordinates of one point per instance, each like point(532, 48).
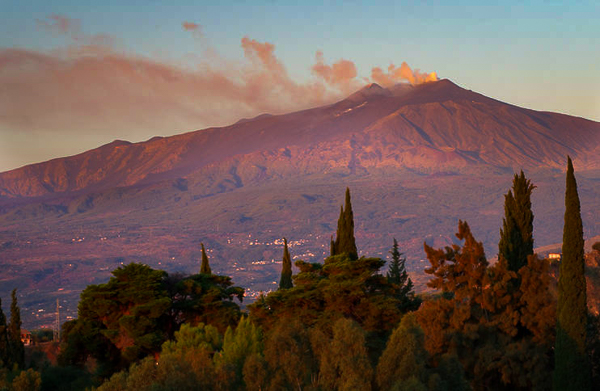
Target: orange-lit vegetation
point(343, 324)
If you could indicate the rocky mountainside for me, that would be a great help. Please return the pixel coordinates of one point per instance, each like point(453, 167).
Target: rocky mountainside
point(416, 159)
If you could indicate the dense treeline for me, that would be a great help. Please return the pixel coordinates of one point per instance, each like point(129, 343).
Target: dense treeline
point(348, 323)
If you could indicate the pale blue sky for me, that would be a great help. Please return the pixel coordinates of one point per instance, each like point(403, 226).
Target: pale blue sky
point(543, 55)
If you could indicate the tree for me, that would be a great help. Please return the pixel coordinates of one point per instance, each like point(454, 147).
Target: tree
point(404, 355)
point(206, 298)
point(572, 368)
point(17, 350)
point(500, 331)
point(238, 345)
point(286, 271)
point(344, 242)
point(398, 276)
point(516, 235)
point(121, 321)
point(29, 380)
point(289, 356)
point(596, 246)
point(191, 353)
point(205, 267)
point(344, 362)
point(4, 345)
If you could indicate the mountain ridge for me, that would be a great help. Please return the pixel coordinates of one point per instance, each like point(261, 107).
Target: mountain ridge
point(431, 124)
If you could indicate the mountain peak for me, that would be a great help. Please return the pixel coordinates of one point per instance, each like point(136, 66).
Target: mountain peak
point(368, 92)
point(373, 87)
point(444, 90)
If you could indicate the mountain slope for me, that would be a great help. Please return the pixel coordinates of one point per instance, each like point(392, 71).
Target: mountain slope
point(434, 126)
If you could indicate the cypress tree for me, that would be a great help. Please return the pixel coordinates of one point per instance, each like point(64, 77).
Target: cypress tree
point(17, 350)
point(286, 271)
point(332, 251)
point(516, 235)
point(344, 241)
point(572, 368)
point(204, 267)
point(4, 346)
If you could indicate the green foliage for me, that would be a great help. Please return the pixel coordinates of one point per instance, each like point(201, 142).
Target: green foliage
point(28, 380)
point(193, 337)
point(238, 344)
point(344, 363)
point(286, 271)
point(324, 292)
point(130, 310)
point(206, 298)
point(572, 369)
point(398, 277)
point(344, 242)
point(289, 355)
point(255, 372)
point(204, 267)
point(516, 235)
point(17, 350)
point(404, 356)
point(184, 364)
point(130, 317)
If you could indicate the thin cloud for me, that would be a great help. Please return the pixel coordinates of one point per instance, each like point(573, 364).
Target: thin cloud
point(90, 85)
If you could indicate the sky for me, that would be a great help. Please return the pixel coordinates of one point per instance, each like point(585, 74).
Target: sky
point(77, 74)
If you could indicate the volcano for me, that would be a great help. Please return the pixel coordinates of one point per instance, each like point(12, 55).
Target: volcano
point(435, 126)
point(416, 158)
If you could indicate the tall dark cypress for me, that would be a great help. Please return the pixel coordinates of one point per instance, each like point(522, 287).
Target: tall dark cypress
point(204, 267)
point(572, 368)
point(286, 270)
point(344, 241)
point(17, 350)
point(516, 235)
point(4, 346)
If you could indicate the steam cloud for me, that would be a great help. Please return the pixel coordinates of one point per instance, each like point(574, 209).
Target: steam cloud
point(90, 86)
point(190, 26)
point(341, 74)
point(403, 73)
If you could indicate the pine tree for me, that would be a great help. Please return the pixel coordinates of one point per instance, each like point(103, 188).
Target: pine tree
point(286, 272)
point(516, 235)
point(344, 242)
point(572, 368)
point(398, 276)
point(4, 346)
point(205, 267)
point(14, 332)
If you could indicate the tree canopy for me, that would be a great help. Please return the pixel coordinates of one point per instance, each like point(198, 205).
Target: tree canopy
point(344, 242)
point(516, 235)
